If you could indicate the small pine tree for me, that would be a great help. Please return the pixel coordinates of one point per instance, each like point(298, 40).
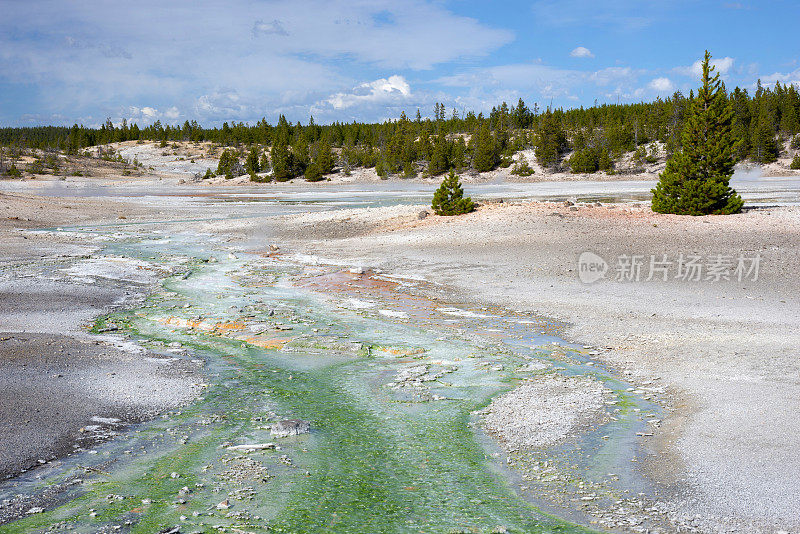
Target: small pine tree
point(264, 163)
point(604, 161)
point(795, 165)
point(486, 154)
point(325, 158)
point(440, 155)
point(252, 165)
point(282, 162)
point(522, 167)
point(695, 181)
point(583, 161)
point(314, 172)
point(449, 198)
point(551, 141)
point(764, 149)
point(229, 165)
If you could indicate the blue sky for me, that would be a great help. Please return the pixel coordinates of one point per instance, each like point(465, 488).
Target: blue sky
point(63, 62)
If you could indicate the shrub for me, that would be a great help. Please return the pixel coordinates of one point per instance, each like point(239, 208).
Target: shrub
point(583, 162)
point(449, 198)
point(795, 163)
point(522, 168)
point(314, 172)
point(13, 171)
point(229, 164)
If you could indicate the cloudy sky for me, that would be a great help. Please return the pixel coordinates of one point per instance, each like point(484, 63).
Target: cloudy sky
point(63, 62)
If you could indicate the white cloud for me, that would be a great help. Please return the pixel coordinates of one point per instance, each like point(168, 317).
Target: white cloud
point(722, 66)
point(96, 59)
point(790, 78)
point(535, 82)
point(148, 115)
point(379, 91)
point(662, 85)
point(614, 75)
point(581, 51)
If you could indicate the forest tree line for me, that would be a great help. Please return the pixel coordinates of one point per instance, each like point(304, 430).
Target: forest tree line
point(597, 137)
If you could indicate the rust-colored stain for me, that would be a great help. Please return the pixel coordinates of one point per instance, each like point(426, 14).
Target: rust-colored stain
point(346, 281)
point(267, 343)
point(230, 326)
point(225, 326)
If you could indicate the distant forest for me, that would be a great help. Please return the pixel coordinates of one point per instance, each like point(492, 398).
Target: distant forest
point(596, 137)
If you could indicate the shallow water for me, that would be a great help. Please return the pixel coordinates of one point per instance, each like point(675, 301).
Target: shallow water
point(283, 340)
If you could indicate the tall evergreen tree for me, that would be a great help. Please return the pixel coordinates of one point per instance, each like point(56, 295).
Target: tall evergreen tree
point(282, 161)
point(695, 181)
point(449, 198)
point(486, 155)
point(440, 156)
point(551, 141)
point(252, 165)
point(763, 148)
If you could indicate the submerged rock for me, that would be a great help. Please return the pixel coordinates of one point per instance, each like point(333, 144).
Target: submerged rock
point(290, 427)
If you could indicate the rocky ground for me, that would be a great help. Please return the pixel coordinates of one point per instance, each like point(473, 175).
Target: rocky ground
point(62, 390)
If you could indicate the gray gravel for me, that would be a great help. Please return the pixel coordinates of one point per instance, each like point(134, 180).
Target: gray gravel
point(546, 411)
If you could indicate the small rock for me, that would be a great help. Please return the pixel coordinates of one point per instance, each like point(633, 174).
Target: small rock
point(422, 214)
point(290, 427)
point(357, 270)
point(253, 447)
point(224, 505)
point(567, 203)
point(35, 510)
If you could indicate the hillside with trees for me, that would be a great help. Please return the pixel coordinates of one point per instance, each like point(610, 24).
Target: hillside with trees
point(581, 140)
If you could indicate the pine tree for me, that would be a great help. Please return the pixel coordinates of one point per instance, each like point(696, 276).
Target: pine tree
point(252, 165)
point(486, 155)
point(440, 155)
point(229, 165)
point(449, 198)
point(551, 141)
point(695, 181)
point(325, 158)
point(282, 161)
point(763, 147)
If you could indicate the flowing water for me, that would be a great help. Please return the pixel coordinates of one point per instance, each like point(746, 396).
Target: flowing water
point(388, 374)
